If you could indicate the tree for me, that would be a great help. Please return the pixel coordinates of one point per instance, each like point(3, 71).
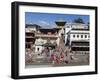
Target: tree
point(79, 20)
point(88, 25)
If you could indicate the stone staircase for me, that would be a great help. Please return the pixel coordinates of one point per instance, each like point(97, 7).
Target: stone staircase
point(62, 45)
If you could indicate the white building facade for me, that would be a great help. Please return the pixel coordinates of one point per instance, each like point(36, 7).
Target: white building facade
point(77, 36)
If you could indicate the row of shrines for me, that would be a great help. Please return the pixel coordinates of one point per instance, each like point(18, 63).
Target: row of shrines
point(74, 35)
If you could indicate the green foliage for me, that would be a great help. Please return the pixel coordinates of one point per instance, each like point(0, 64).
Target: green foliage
point(79, 20)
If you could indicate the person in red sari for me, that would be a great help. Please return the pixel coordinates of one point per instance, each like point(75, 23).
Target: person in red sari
point(53, 58)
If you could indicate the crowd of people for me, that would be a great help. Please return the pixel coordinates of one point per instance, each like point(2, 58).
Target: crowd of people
point(57, 55)
point(51, 55)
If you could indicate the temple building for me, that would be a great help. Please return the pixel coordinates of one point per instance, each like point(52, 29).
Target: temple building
point(77, 37)
point(38, 37)
point(45, 37)
point(30, 38)
point(49, 37)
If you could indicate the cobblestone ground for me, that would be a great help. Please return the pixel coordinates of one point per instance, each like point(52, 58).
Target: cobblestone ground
point(77, 60)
